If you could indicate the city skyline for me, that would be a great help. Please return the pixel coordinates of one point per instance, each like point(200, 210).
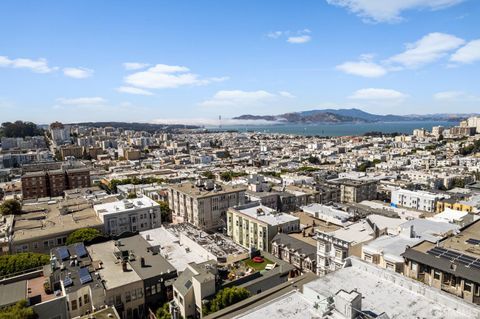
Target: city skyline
point(191, 61)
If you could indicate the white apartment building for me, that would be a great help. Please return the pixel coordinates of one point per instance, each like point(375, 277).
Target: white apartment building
point(419, 200)
point(129, 215)
point(254, 225)
point(204, 203)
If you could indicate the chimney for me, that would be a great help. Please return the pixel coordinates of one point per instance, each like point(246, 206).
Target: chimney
point(124, 266)
point(142, 262)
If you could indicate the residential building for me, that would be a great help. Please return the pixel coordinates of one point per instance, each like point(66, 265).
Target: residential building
point(204, 203)
point(253, 225)
point(419, 200)
point(356, 190)
point(451, 265)
point(298, 253)
point(129, 215)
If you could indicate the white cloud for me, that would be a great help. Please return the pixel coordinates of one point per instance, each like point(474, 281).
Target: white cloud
point(455, 96)
point(295, 37)
point(162, 76)
point(299, 39)
point(286, 94)
point(133, 90)
point(37, 66)
point(82, 101)
point(78, 73)
point(238, 98)
point(135, 65)
point(377, 94)
point(275, 34)
point(467, 54)
point(362, 68)
point(428, 49)
point(389, 10)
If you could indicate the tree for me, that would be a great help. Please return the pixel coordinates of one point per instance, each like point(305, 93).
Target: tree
point(313, 160)
point(11, 207)
point(20, 129)
point(227, 297)
point(208, 175)
point(10, 264)
point(164, 312)
point(83, 234)
point(165, 210)
point(18, 311)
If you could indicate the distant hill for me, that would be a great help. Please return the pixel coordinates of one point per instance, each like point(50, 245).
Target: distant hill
point(352, 115)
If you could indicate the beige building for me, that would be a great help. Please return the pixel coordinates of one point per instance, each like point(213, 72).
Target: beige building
point(355, 191)
point(254, 225)
point(452, 264)
point(46, 225)
point(203, 204)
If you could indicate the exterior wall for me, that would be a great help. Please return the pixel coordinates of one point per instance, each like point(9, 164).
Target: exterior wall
point(129, 300)
point(34, 186)
point(132, 220)
point(294, 258)
point(207, 212)
point(460, 287)
point(249, 232)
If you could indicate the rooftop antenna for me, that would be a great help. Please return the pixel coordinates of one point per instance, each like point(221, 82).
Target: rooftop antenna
point(219, 121)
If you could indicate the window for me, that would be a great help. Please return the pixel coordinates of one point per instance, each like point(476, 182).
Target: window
point(127, 296)
point(147, 291)
point(86, 298)
point(154, 290)
point(80, 301)
point(134, 294)
point(159, 288)
point(74, 305)
point(140, 292)
point(467, 286)
point(436, 275)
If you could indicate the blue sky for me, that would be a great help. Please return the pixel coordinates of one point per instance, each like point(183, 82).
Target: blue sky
point(191, 61)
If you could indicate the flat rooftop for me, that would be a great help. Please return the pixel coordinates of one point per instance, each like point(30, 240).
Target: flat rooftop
point(172, 249)
point(111, 271)
point(125, 205)
point(392, 293)
point(44, 220)
point(266, 214)
point(190, 189)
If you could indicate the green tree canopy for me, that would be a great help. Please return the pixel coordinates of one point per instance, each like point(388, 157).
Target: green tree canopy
point(20, 129)
point(83, 234)
point(10, 264)
point(164, 312)
point(10, 207)
point(227, 297)
point(18, 311)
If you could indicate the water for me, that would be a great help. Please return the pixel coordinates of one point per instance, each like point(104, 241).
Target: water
point(338, 129)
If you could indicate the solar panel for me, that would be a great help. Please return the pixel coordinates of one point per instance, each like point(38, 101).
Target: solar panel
point(435, 253)
point(80, 250)
point(67, 281)
point(466, 259)
point(438, 249)
point(473, 241)
point(475, 265)
point(63, 252)
point(451, 254)
point(84, 275)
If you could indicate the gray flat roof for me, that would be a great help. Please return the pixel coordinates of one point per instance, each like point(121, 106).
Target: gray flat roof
point(13, 292)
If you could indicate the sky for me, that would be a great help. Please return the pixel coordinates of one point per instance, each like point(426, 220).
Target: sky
point(192, 61)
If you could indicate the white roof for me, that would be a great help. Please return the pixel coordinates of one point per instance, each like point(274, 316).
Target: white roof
point(171, 249)
point(355, 233)
point(448, 216)
point(270, 216)
point(125, 205)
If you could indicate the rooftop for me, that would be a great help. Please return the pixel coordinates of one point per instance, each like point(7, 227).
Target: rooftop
point(265, 214)
point(43, 220)
point(195, 191)
point(112, 271)
point(125, 205)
